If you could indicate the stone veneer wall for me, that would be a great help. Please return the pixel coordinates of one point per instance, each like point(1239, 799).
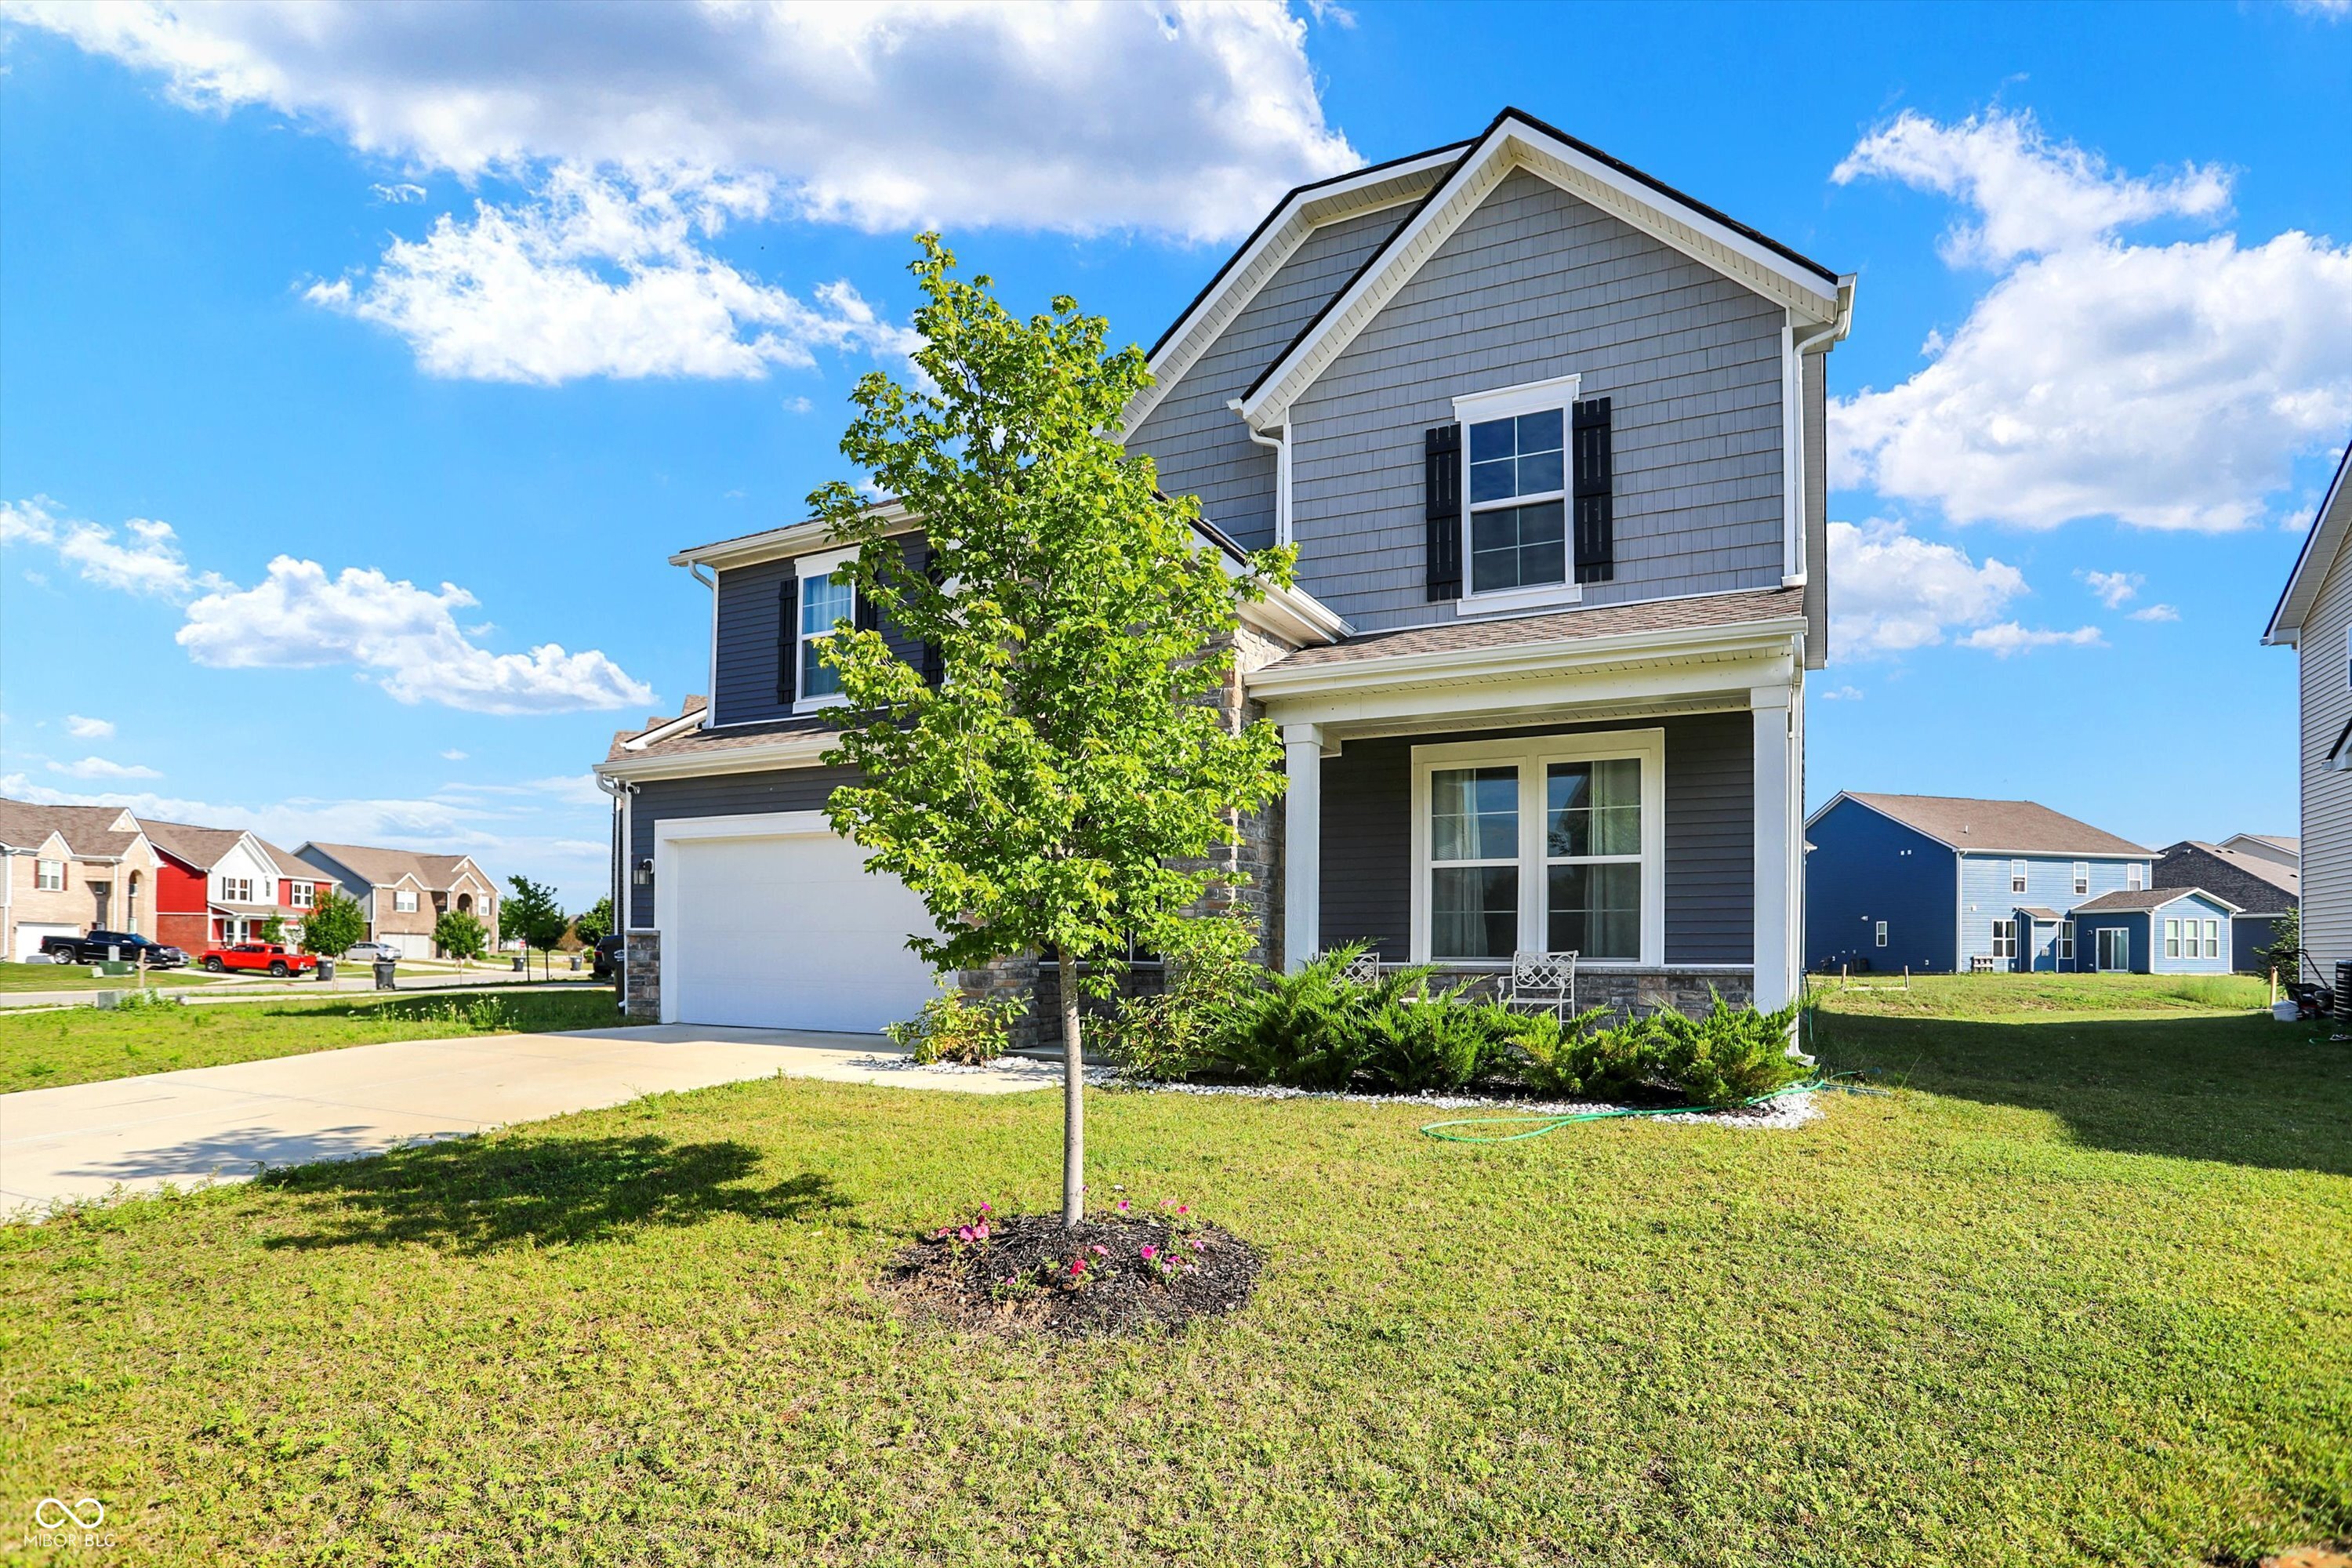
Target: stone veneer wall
point(1690, 989)
point(641, 961)
point(1257, 857)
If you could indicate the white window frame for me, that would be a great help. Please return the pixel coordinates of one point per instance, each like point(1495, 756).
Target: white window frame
point(1532, 755)
point(2017, 870)
point(2082, 877)
point(2172, 938)
point(2004, 942)
point(1881, 933)
point(2212, 939)
point(2117, 937)
point(1510, 403)
point(237, 890)
point(48, 876)
point(403, 900)
point(2065, 953)
point(299, 894)
point(2135, 876)
point(821, 565)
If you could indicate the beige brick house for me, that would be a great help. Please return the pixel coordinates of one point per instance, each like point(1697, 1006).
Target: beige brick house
point(403, 892)
point(66, 869)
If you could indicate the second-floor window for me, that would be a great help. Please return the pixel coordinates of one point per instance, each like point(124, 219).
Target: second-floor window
point(404, 902)
point(237, 890)
point(300, 896)
point(1518, 501)
point(2135, 876)
point(49, 875)
point(824, 602)
point(2017, 876)
point(2082, 876)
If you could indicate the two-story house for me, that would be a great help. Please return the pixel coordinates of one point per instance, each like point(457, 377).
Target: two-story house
point(66, 869)
point(222, 885)
point(2314, 618)
point(1939, 883)
point(1548, 435)
point(403, 893)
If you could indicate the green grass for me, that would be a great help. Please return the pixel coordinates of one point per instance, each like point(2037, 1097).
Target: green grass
point(2022, 996)
point(77, 977)
point(2081, 1293)
point(82, 1045)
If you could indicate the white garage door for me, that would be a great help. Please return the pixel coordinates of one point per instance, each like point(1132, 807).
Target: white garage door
point(28, 937)
point(787, 931)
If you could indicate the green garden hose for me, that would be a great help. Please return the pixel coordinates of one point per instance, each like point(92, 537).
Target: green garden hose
point(1554, 1123)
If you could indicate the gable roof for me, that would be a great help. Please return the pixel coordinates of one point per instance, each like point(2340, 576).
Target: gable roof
point(2328, 526)
point(1519, 140)
point(202, 847)
point(386, 868)
point(2285, 844)
point(1992, 826)
point(2124, 900)
point(98, 832)
point(2285, 879)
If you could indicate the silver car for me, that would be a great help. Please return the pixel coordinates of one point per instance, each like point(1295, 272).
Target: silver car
point(371, 953)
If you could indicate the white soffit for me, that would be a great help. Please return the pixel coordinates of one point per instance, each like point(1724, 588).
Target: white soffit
point(1516, 145)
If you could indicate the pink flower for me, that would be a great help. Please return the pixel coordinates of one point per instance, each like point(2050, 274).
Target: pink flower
point(1199, 1245)
point(1077, 1266)
point(1122, 1205)
point(1183, 1208)
point(1099, 1251)
point(981, 1230)
point(1150, 1253)
point(984, 1208)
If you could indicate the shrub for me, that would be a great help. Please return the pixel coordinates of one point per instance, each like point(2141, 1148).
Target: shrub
point(951, 1029)
point(1304, 1029)
point(1207, 964)
point(1732, 1054)
point(1407, 1040)
point(1576, 1055)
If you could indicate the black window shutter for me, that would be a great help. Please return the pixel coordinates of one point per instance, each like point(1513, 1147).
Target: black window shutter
point(862, 616)
point(1441, 496)
point(1596, 533)
point(935, 664)
point(788, 639)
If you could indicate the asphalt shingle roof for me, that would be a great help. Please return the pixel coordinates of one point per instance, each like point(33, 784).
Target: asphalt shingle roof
point(2020, 827)
point(87, 829)
point(2142, 899)
point(1600, 621)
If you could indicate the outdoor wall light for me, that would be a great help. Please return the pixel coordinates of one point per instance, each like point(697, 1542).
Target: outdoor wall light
point(645, 874)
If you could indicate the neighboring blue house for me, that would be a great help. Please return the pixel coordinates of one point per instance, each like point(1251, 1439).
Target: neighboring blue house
point(2157, 931)
point(1938, 884)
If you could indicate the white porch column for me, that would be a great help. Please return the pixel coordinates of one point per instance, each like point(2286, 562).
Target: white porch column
point(1302, 844)
point(1776, 901)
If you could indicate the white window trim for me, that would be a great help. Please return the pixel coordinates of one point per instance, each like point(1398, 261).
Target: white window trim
point(2064, 951)
point(2017, 876)
point(1508, 403)
point(823, 564)
point(43, 870)
point(1881, 933)
point(2082, 877)
point(1532, 753)
point(2212, 939)
point(2135, 878)
point(2172, 937)
point(414, 901)
point(299, 894)
point(1999, 938)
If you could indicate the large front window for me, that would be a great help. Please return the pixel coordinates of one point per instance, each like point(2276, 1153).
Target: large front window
point(1552, 844)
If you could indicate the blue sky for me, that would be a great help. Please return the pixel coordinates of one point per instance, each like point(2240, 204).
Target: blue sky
point(427, 335)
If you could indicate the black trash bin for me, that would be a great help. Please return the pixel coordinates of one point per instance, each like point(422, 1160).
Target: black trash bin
point(384, 970)
point(518, 963)
point(326, 969)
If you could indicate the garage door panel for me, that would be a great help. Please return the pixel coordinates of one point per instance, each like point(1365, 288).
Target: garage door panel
point(787, 931)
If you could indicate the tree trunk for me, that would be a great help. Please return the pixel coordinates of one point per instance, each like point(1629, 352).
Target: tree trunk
point(1073, 1108)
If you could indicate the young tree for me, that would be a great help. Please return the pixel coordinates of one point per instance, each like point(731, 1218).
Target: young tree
point(2284, 952)
point(333, 925)
point(532, 914)
point(461, 935)
point(272, 929)
point(1060, 787)
point(596, 923)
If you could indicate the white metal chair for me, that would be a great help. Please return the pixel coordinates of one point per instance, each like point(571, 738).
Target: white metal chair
point(1364, 969)
point(1542, 982)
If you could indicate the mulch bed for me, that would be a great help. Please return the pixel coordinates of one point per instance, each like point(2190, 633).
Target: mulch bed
point(1019, 1280)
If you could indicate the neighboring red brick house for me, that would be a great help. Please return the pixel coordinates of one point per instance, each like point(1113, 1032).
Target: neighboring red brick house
point(217, 885)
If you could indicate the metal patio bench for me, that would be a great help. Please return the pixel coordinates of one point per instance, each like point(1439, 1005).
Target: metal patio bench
point(1542, 983)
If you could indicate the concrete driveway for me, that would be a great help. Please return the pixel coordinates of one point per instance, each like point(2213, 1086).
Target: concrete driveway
point(226, 1122)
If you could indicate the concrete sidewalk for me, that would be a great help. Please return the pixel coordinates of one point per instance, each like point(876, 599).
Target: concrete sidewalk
point(225, 1122)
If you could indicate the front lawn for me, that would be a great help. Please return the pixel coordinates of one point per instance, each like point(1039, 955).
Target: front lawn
point(82, 1045)
point(2022, 996)
point(2082, 1292)
point(77, 977)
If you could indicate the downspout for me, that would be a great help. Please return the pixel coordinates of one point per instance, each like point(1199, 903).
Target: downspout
point(1795, 568)
point(710, 703)
point(620, 790)
point(1281, 445)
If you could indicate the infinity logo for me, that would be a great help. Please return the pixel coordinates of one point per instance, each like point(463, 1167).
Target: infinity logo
point(54, 1513)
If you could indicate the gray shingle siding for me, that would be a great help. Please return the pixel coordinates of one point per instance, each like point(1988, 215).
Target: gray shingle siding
point(1200, 444)
point(1537, 284)
point(720, 794)
point(1366, 846)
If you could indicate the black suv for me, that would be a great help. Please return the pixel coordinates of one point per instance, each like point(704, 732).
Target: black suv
point(607, 959)
point(129, 945)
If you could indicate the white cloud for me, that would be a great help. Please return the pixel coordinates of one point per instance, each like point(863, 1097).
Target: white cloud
point(82, 729)
point(399, 195)
point(2157, 613)
point(299, 618)
point(149, 562)
point(1184, 118)
point(100, 768)
point(1895, 591)
point(546, 839)
point(453, 757)
point(2009, 638)
point(2332, 10)
point(2114, 589)
point(601, 276)
point(2169, 386)
point(1843, 694)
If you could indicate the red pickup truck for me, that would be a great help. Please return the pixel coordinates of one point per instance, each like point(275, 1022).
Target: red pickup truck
point(259, 956)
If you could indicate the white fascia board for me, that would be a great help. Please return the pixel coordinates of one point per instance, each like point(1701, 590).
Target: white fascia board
point(792, 538)
point(1266, 253)
point(690, 720)
point(1548, 656)
point(794, 752)
point(1563, 697)
point(2318, 553)
point(1515, 146)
